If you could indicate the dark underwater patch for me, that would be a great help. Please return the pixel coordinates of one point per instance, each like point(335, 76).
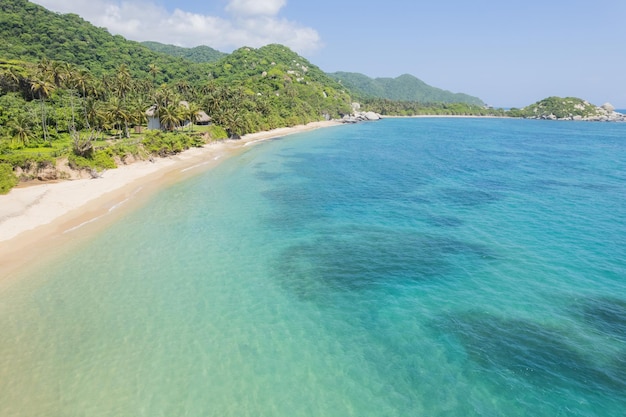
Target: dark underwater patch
point(356, 259)
point(444, 221)
point(605, 314)
point(267, 175)
point(469, 197)
point(539, 354)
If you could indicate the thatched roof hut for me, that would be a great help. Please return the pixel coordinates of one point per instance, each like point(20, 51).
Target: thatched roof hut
point(153, 122)
point(202, 118)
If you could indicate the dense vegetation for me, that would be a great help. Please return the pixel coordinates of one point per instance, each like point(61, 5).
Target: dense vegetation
point(287, 89)
point(74, 94)
point(557, 107)
point(403, 88)
point(198, 54)
point(388, 107)
point(30, 32)
point(72, 91)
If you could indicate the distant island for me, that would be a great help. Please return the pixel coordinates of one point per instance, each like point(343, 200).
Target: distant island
point(568, 108)
point(76, 99)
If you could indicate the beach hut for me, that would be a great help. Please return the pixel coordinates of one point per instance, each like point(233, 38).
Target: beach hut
point(203, 119)
point(153, 119)
point(154, 123)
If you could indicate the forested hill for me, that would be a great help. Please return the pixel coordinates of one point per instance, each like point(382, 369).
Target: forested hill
point(65, 63)
point(403, 88)
point(282, 79)
point(30, 32)
point(198, 54)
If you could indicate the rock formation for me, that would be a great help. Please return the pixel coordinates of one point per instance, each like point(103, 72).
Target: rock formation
point(359, 116)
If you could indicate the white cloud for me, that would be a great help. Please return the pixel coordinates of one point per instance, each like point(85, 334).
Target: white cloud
point(251, 23)
point(255, 7)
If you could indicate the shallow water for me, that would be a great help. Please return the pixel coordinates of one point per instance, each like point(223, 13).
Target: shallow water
point(438, 267)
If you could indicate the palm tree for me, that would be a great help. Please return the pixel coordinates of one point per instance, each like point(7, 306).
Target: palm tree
point(137, 108)
point(191, 113)
point(42, 88)
point(94, 113)
point(10, 79)
point(170, 116)
point(58, 72)
point(119, 115)
point(123, 81)
point(165, 100)
point(153, 70)
point(183, 88)
point(144, 88)
point(104, 86)
point(21, 128)
point(122, 84)
point(233, 122)
point(214, 95)
point(81, 80)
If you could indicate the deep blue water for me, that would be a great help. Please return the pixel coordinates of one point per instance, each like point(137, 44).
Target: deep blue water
point(410, 267)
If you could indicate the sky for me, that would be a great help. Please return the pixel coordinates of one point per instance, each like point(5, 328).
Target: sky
point(509, 54)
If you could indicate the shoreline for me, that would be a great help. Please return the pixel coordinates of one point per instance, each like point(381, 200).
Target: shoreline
point(44, 218)
point(445, 116)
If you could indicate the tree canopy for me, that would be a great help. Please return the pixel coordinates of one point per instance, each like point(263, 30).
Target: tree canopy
point(70, 89)
point(198, 54)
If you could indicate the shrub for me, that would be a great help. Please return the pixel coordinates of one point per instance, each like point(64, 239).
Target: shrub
point(162, 144)
point(8, 179)
point(101, 159)
point(217, 132)
point(104, 159)
point(27, 161)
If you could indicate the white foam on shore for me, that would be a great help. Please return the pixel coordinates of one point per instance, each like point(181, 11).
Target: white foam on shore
point(72, 229)
point(195, 166)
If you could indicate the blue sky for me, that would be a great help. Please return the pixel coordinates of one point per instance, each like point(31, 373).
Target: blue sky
point(506, 53)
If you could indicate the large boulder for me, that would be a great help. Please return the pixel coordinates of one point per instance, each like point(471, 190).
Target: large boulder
point(608, 107)
point(370, 115)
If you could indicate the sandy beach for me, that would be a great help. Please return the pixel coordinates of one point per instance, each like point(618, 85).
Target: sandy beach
point(42, 218)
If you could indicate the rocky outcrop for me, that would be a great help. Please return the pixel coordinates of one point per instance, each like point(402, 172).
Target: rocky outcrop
point(359, 116)
point(608, 107)
point(606, 117)
point(607, 113)
point(555, 108)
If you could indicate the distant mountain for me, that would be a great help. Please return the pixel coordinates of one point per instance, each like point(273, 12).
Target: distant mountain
point(199, 54)
point(405, 88)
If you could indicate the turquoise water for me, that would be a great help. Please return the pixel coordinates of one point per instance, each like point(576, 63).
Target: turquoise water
point(413, 267)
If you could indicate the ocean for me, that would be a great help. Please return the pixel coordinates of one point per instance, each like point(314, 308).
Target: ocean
point(407, 267)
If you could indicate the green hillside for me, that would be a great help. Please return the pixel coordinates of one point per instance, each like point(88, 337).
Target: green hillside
point(72, 92)
point(30, 32)
point(198, 54)
point(403, 88)
point(558, 108)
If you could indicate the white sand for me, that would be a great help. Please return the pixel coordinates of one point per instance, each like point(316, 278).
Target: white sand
point(30, 213)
